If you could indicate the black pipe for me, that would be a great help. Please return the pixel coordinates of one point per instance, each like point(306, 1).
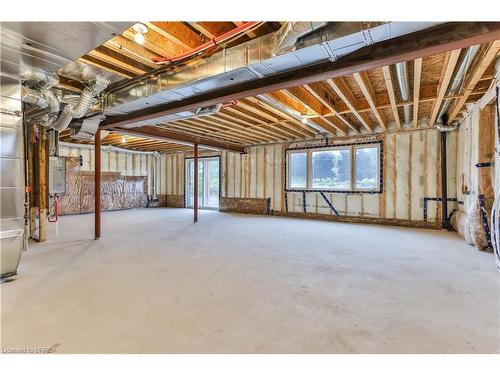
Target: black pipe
point(444, 183)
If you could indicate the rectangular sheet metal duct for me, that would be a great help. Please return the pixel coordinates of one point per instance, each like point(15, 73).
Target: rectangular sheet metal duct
point(249, 61)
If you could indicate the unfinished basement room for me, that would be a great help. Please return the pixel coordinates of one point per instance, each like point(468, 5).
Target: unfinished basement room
point(250, 187)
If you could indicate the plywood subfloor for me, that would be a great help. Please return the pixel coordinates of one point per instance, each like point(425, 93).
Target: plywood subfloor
point(156, 283)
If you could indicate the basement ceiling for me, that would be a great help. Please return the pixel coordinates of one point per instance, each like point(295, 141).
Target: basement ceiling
point(365, 102)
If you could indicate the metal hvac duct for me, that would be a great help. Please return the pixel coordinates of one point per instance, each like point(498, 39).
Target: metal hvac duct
point(36, 89)
point(276, 104)
point(85, 103)
point(288, 35)
point(404, 87)
point(12, 169)
point(250, 61)
point(461, 69)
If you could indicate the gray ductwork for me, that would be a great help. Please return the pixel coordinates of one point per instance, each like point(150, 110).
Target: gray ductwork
point(288, 35)
point(40, 94)
point(37, 89)
point(274, 103)
point(461, 69)
point(404, 87)
point(85, 103)
point(249, 61)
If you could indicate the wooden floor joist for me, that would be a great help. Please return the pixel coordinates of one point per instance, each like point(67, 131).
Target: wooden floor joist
point(427, 42)
point(448, 69)
point(392, 97)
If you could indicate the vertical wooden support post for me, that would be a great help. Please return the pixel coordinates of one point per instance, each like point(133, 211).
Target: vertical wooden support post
point(97, 184)
point(42, 184)
point(195, 187)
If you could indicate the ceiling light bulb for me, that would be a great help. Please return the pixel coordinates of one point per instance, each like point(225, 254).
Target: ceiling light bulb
point(140, 28)
point(124, 140)
point(139, 38)
point(304, 120)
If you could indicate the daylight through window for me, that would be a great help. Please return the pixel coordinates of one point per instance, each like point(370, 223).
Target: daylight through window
point(342, 168)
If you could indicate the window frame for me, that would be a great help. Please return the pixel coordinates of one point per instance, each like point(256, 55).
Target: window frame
point(350, 146)
point(353, 168)
point(288, 180)
point(329, 148)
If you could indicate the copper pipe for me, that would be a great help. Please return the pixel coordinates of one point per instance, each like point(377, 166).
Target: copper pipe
point(211, 43)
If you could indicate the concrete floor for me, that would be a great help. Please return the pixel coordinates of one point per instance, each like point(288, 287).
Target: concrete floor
point(156, 283)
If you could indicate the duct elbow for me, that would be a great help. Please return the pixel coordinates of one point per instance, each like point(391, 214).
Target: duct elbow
point(447, 128)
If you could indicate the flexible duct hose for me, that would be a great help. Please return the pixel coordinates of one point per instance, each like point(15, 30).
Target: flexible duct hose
point(87, 100)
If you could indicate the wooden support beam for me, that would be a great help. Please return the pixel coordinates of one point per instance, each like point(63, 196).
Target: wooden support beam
point(42, 186)
point(423, 43)
point(448, 68)
point(312, 103)
point(195, 129)
point(132, 50)
point(155, 132)
point(272, 118)
point(177, 33)
point(253, 127)
point(274, 125)
point(321, 94)
point(195, 187)
point(251, 34)
point(386, 70)
point(417, 73)
point(472, 78)
point(366, 88)
point(97, 185)
point(342, 90)
point(303, 128)
point(106, 66)
point(156, 43)
point(212, 29)
point(112, 57)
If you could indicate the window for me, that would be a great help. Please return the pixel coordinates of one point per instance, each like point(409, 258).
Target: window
point(298, 170)
point(331, 169)
point(343, 168)
point(367, 168)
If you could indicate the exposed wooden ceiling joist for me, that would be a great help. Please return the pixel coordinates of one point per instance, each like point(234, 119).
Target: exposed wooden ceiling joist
point(392, 95)
point(488, 54)
point(155, 132)
point(435, 40)
point(176, 32)
point(448, 68)
point(364, 84)
point(343, 91)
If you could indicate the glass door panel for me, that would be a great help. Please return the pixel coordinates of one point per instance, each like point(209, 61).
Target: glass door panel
point(208, 182)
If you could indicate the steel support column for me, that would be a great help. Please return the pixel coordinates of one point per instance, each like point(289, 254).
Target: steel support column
point(195, 187)
point(444, 183)
point(97, 184)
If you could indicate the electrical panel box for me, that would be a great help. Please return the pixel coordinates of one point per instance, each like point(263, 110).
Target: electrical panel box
point(57, 175)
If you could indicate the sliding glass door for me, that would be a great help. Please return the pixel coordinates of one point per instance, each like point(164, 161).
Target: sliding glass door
point(208, 182)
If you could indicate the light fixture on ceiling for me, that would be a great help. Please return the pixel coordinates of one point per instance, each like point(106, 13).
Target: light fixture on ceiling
point(140, 29)
point(123, 140)
point(304, 120)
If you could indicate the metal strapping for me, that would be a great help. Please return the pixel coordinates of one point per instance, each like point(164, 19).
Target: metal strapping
point(329, 203)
